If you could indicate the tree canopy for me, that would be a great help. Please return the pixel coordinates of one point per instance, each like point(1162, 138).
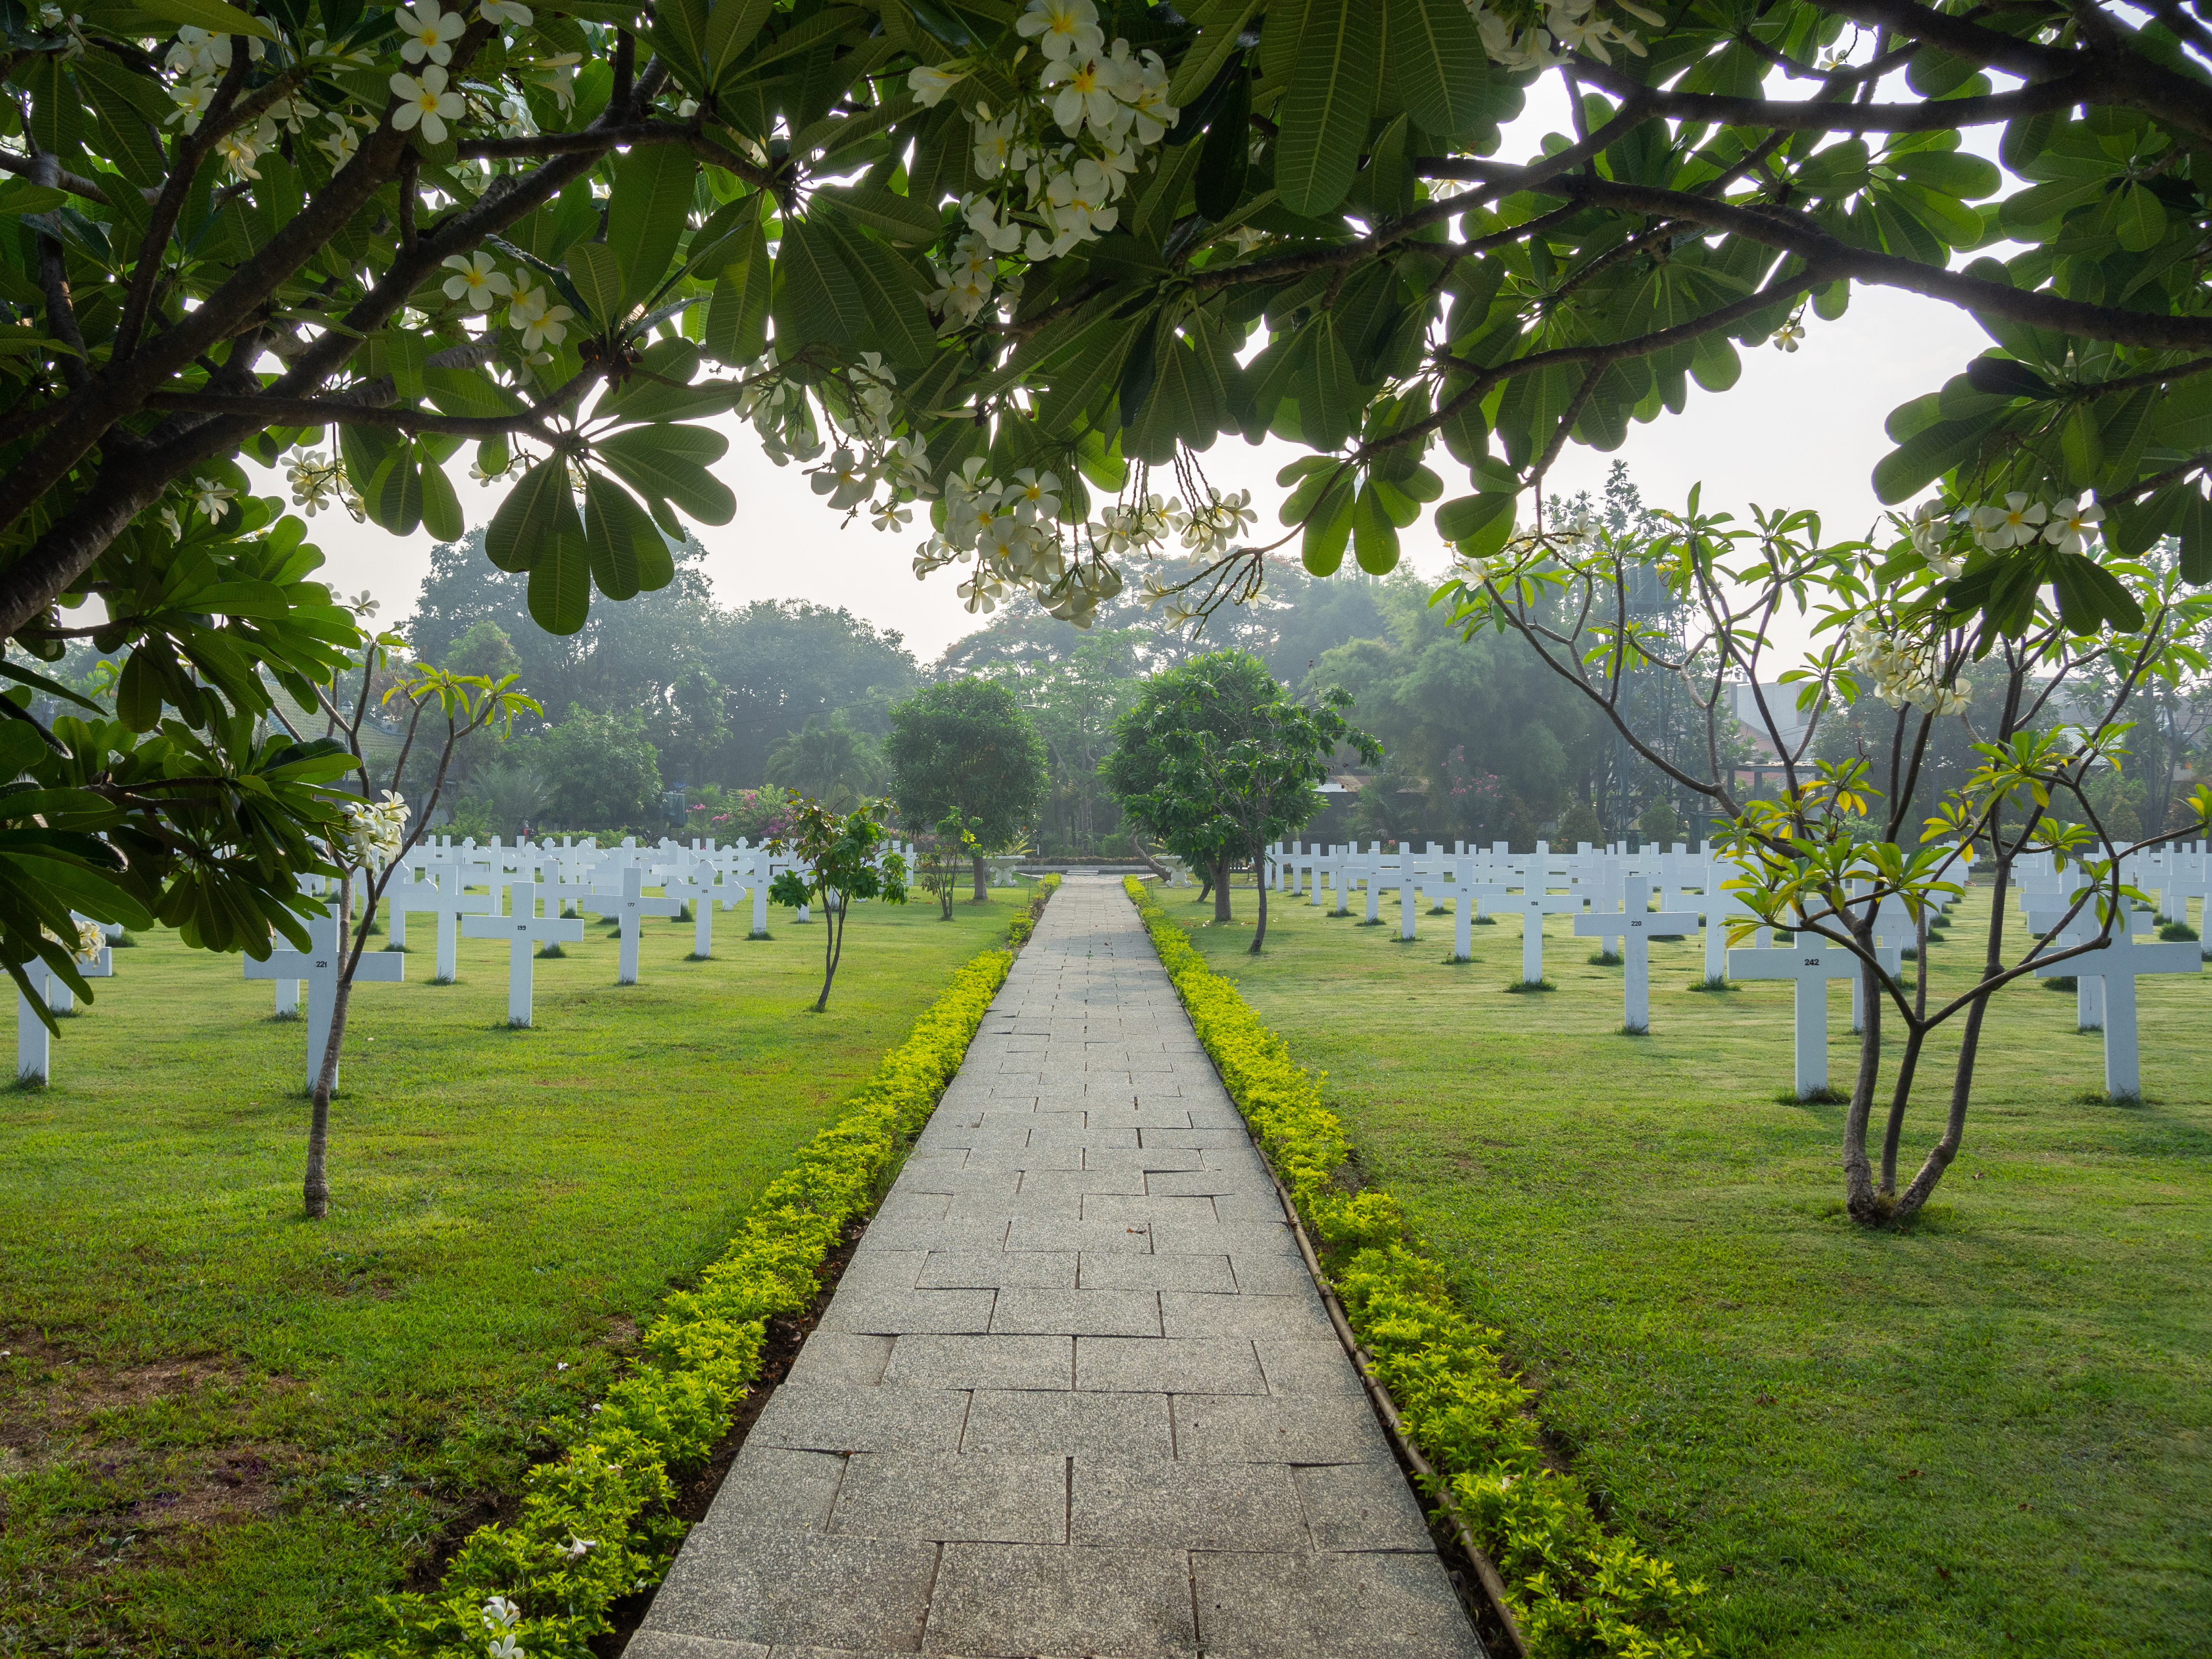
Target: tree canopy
point(966, 747)
point(1018, 268)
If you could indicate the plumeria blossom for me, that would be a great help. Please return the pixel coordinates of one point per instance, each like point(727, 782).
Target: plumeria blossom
point(211, 499)
point(1062, 28)
point(428, 32)
point(476, 280)
point(578, 1548)
point(2015, 524)
point(340, 143)
point(506, 11)
point(426, 103)
point(376, 832)
point(1789, 335)
point(2074, 520)
point(1902, 674)
point(499, 1613)
point(193, 100)
point(929, 85)
point(314, 477)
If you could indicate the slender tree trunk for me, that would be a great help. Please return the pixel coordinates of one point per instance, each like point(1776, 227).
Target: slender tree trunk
point(1962, 1077)
point(1221, 912)
point(1859, 1195)
point(982, 881)
point(1899, 1100)
point(833, 931)
point(1259, 872)
point(315, 1189)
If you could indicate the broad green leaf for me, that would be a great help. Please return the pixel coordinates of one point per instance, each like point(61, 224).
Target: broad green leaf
point(1324, 112)
point(597, 274)
point(900, 218)
point(1219, 24)
point(1374, 537)
point(1476, 524)
point(646, 212)
point(669, 463)
point(732, 28)
point(816, 299)
point(1438, 64)
point(394, 497)
point(441, 507)
point(1926, 457)
point(560, 586)
point(615, 528)
point(534, 510)
point(679, 34)
point(890, 292)
point(1321, 548)
point(2139, 219)
point(212, 15)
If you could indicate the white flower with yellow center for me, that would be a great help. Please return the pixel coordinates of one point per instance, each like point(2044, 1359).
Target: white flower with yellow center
point(2073, 522)
point(1062, 28)
point(475, 280)
point(426, 104)
point(428, 32)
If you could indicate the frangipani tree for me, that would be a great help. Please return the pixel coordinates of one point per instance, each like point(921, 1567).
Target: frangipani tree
point(1014, 270)
point(1901, 620)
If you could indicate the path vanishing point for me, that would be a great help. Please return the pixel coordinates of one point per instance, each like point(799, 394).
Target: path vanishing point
point(1076, 1394)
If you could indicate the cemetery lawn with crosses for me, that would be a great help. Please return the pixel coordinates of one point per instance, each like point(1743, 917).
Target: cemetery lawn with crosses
point(1989, 1432)
point(225, 1430)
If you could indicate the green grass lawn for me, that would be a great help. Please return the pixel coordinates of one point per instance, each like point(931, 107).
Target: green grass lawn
point(224, 1429)
point(1989, 1435)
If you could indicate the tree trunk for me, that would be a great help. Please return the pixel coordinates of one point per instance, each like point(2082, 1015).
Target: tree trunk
point(316, 1188)
point(982, 881)
point(1137, 846)
point(1259, 869)
point(1221, 889)
point(1859, 1195)
point(1962, 1078)
point(1907, 1065)
point(832, 947)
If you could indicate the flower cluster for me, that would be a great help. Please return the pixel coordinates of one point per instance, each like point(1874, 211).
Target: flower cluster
point(2069, 524)
point(1904, 672)
point(377, 829)
point(1056, 164)
point(1573, 24)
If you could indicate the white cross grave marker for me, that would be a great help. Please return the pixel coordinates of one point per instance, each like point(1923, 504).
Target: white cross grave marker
point(319, 964)
point(33, 1043)
point(525, 931)
point(694, 886)
point(1634, 926)
point(632, 906)
point(2124, 956)
point(1532, 904)
point(1811, 963)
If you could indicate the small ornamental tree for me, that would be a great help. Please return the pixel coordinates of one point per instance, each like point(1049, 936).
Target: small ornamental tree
point(844, 859)
point(966, 746)
point(439, 710)
point(943, 857)
point(1217, 761)
point(1902, 620)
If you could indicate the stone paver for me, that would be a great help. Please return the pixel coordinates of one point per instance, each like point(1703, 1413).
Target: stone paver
point(1077, 1394)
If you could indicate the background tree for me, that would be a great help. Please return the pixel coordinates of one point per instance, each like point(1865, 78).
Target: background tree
point(842, 859)
point(828, 761)
point(1228, 694)
point(601, 771)
point(1255, 767)
point(967, 747)
point(943, 856)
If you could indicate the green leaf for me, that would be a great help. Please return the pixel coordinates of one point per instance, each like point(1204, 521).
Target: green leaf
point(560, 586)
point(732, 28)
point(597, 274)
point(212, 16)
point(1477, 524)
point(736, 330)
point(2088, 594)
point(615, 529)
point(1438, 64)
point(1926, 457)
point(1219, 22)
point(441, 507)
point(890, 292)
point(646, 212)
point(1321, 548)
point(679, 34)
point(2139, 219)
point(394, 495)
point(533, 512)
point(1325, 111)
point(900, 218)
point(670, 463)
point(1374, 537)
point(816, 299)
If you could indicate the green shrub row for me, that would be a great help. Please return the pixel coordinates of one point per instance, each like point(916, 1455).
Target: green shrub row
point(595, 1523)
point(1019, 929)
point(1574, 1589)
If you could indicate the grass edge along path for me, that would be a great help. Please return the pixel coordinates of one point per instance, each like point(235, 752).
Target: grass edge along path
point(1572, 1587)
point(594, 1525)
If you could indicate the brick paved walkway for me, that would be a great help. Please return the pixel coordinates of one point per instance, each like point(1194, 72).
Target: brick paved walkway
point(1076, 1394)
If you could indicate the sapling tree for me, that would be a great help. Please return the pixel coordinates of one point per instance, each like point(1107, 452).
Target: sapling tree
point(841, 858)
point(1902, 620)
point(1217, 754)
point(436, 710)
point(942, 858)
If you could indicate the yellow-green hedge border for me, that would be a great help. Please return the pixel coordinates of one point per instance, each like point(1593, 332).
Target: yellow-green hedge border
point(1574, 1589)
point(595, 1524)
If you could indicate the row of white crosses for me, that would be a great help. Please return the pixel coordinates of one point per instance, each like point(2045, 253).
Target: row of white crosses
point(1609, 891)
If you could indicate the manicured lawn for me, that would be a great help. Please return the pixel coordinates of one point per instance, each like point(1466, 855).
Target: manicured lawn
point(223, 1429)
point(1989, 1435)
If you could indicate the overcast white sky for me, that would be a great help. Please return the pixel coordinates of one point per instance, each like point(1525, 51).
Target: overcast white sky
point(1801, 430)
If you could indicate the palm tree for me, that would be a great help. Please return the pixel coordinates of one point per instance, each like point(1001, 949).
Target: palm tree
point(828, 761)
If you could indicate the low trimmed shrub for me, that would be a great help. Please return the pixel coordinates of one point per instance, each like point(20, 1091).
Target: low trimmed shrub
point(1575, 1588)
point(595, 1523)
